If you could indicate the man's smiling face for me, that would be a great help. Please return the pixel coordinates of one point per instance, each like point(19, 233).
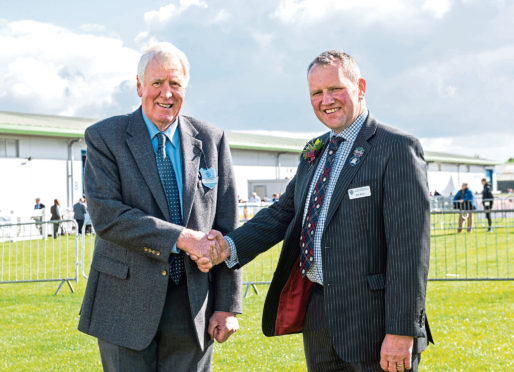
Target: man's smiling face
point(162, 92)
point(336, 100)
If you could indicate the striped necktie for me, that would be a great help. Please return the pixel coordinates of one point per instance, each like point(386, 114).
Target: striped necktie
point(169, 183)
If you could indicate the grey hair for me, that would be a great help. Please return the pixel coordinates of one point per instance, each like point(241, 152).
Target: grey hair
point(165, 53)
point(330, 57)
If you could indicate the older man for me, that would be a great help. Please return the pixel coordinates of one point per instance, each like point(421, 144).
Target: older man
point(152, 178)
point(355, 223)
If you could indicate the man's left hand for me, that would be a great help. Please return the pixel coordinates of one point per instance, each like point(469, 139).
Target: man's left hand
point(222, 325)
point(396, 353)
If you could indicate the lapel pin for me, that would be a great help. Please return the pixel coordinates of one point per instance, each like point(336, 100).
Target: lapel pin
point(356, 158)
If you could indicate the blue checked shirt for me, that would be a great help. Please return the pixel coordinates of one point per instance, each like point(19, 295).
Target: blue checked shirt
point(315, 273)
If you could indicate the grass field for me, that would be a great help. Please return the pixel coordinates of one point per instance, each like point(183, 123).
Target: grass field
point(472, 322)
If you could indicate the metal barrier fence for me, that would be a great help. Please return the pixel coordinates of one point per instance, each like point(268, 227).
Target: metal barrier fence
point(28, 255)
point(438, 203)
point(30, 252)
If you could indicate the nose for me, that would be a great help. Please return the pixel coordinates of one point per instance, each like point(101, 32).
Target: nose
point(327, 98)
point(166, 92)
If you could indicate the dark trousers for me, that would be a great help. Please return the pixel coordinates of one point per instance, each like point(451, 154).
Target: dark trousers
point(488, 205)
point(80, 223)
point(319, 351)
point(56, 229)
point(174, 347)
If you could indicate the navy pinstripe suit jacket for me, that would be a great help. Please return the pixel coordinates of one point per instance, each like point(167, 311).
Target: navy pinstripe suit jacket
point(375, 249)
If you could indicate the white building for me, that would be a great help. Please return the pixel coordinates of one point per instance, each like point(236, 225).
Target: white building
point(44, 156)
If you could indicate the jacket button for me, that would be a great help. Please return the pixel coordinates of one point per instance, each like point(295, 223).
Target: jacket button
point(145, 249)
point(164, 272)
point(158, 253)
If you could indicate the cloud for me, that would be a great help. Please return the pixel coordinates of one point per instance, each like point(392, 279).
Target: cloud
point(49, 69)
point(486, 145)
point(222, 16)
point(92, 28)
point(368, 11)
point(162, 16)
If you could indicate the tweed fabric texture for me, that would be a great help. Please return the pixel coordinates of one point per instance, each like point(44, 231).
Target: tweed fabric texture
point(169, 183)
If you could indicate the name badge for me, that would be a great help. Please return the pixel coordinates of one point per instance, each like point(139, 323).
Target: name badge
point(359, 192)
point(209, 178)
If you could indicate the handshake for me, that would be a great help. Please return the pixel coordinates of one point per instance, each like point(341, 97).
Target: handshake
point(207, 250)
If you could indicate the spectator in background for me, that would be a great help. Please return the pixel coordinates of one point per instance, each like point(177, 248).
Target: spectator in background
point(487, 201)
point(39, 205)
point(255, 198)
point(39, 218)
point(55, 211)
point(274, 197)
point(464, 201)
point(79, 213)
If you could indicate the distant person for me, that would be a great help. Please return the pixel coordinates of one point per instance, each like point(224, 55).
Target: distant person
point(487, 201)
point(255, 198)
point(464, 200)
point(79, 214)
point(436, 193)
point(39, 218)
point(274, 197)
point(39, 205)
point(55, 211)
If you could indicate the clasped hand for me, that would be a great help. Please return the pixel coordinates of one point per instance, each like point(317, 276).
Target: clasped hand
point(207, 250)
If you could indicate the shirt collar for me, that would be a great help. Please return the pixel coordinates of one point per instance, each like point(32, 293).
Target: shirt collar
point(350, 133)
point(153, 130)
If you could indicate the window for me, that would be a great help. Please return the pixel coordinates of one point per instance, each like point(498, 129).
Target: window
point(8, 148)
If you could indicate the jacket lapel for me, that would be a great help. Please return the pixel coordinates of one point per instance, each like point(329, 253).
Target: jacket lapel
point(139, 143)
point(348, 172)
point(191, 156)
point(305, 180)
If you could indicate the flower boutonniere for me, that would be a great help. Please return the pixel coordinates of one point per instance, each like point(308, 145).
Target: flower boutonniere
point(312, 150)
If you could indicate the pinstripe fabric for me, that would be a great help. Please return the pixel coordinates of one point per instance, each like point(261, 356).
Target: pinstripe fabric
point(375, 249)
point(315, 272)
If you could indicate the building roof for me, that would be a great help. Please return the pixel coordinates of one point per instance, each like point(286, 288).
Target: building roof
point(64, 126)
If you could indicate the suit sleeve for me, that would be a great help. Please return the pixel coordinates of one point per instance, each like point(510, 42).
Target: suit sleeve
point(266, 228)
point(113, 219)
point(227, 283)
point(407, 228)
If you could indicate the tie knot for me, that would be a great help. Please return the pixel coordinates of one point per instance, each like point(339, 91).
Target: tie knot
point(160, 141)
point(335, 142)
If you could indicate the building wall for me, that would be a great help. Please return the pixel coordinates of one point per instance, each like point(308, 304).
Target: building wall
point(440, 175)
point(43, 176)
point(261, 166)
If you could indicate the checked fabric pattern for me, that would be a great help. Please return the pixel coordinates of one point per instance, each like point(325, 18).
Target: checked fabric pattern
point(169, 183)
point(314, 209)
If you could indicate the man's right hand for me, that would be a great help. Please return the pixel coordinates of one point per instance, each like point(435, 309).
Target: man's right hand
point(220, 253)
point(206, 250)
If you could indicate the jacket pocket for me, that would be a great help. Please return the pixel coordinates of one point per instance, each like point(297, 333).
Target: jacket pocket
point(376, 281)
point(110, 266)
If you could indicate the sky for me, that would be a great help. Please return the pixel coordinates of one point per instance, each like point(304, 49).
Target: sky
point(442, 70)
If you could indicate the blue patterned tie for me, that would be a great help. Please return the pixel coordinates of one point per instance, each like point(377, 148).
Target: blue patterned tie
point(169, 183)
point(314, 209)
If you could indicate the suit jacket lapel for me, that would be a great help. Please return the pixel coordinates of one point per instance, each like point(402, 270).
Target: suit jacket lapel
point(140, 144)
point(191, 156)
point(305, 181)
point(348, 172)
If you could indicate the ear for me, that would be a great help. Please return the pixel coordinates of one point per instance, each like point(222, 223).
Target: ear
point(139, 87)
point(362, 88)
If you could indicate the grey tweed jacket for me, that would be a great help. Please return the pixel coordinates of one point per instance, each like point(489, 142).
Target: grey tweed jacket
point(375, 249)
point(126, 289)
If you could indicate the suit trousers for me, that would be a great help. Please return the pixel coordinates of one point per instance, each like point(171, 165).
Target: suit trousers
point(174, 347)
point(320, 354)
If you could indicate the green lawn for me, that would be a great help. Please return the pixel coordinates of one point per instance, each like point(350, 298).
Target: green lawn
point(472, 322)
